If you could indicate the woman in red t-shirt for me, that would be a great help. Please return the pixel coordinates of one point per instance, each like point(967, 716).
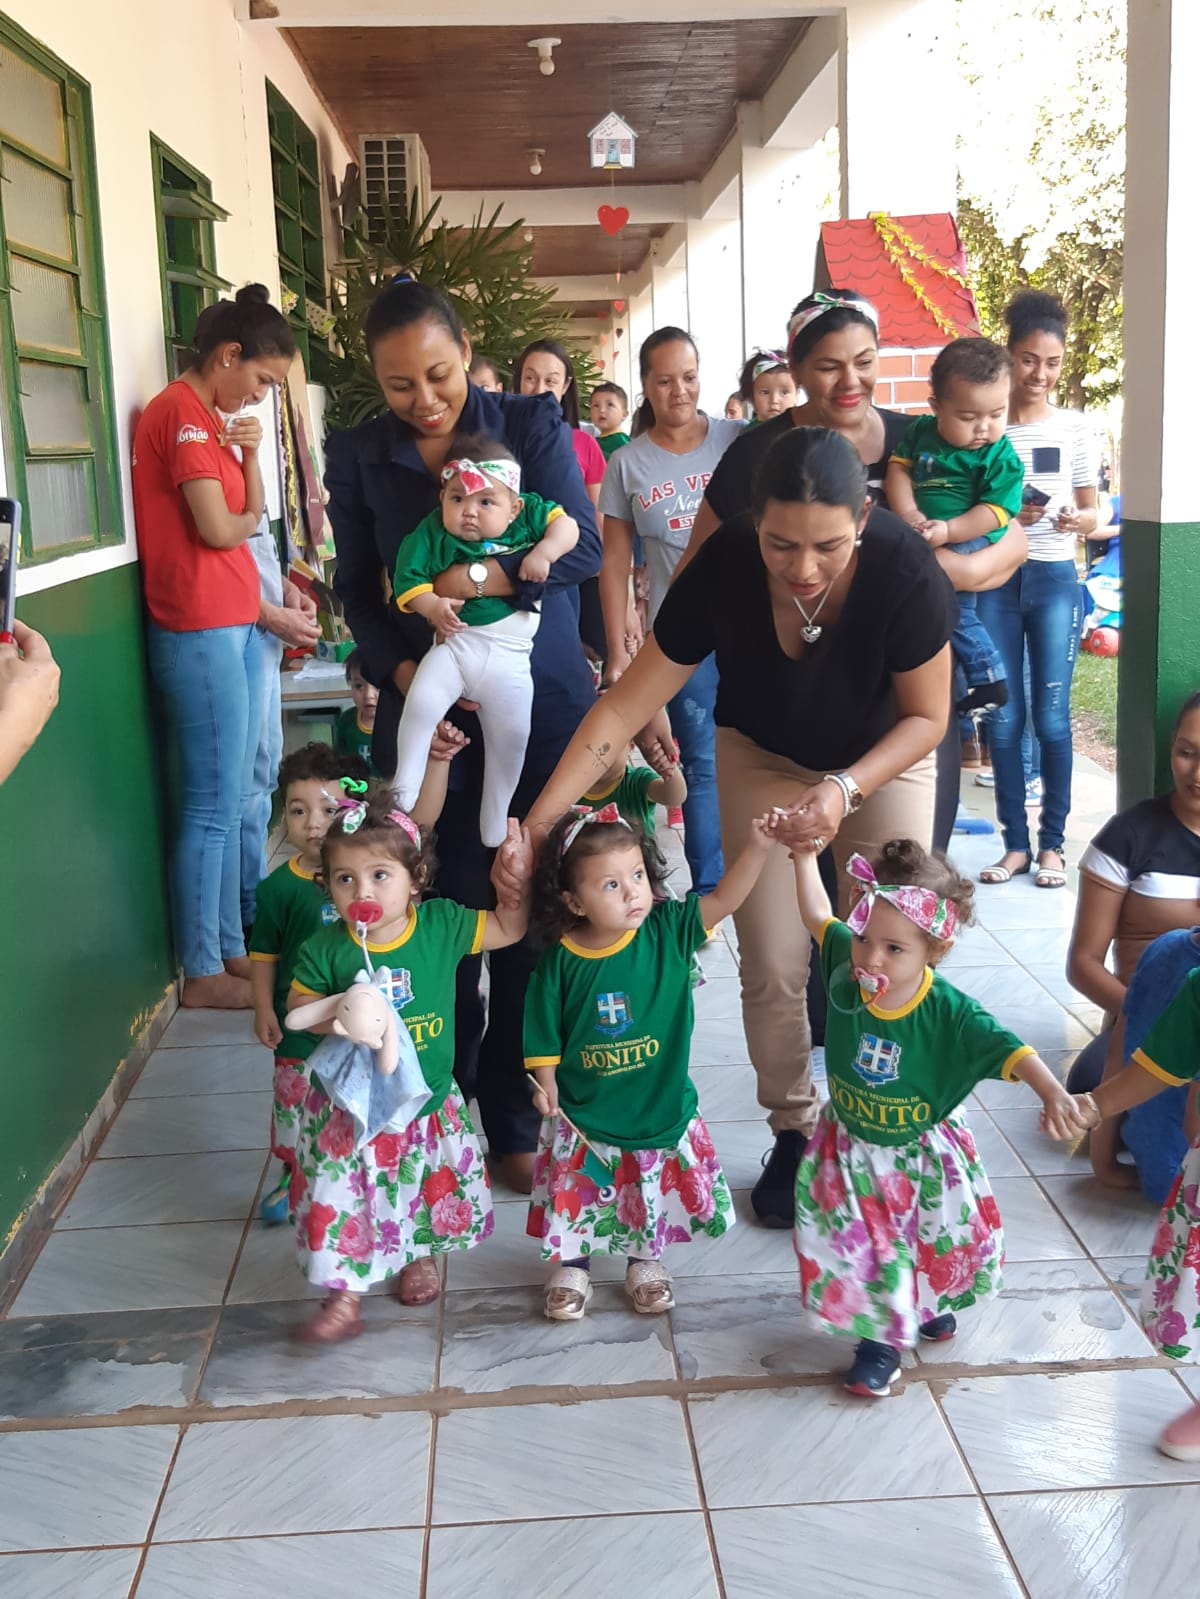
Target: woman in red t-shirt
point(545, 367)
point(197, 498)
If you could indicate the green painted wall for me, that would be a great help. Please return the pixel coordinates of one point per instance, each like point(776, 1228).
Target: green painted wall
point(1160, 649)
point(85, 953)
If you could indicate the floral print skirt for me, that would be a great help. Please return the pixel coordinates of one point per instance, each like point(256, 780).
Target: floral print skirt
point(1171, 1292)
point(362, 1215)
point(657, 1197)
point(291, 1090)
point(889, 1236)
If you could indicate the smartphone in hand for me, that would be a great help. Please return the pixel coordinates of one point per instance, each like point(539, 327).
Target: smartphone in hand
point(1034, 496)
point(10, 544)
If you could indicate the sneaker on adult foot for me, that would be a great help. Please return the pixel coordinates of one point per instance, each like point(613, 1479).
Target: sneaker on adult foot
point(939, 1329)
point(1181, 1440)
point(875, 1369)
point(773, 1197)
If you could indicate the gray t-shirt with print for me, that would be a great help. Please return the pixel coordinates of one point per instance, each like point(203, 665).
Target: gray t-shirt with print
point(660, 494)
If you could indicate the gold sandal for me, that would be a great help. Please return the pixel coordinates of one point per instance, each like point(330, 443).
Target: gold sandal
point(568, 1289)
point(648, 1284)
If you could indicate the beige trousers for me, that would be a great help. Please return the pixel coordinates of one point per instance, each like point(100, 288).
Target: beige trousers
point(773, 945)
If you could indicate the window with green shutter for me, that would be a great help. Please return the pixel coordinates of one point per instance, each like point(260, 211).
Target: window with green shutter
point(186, 249)
point(296, 175)
point(57, 420)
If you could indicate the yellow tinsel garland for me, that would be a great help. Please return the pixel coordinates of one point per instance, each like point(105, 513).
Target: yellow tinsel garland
point(900, 247)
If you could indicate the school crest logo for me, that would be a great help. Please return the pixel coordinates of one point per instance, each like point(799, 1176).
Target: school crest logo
point(878, 1059)
point(329, 914)
point(614, 1014)
point(397, 986)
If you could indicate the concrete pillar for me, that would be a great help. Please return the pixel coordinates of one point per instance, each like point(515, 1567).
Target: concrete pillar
point(641, 326)
point(1160, 537)
point(714, 278)
point(668, 287)
point(897, 65)
point(769, 202)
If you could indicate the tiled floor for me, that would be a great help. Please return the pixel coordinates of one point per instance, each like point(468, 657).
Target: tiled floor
point(161, 1436)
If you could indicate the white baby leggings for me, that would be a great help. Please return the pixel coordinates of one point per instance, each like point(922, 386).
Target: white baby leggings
point(488, 664)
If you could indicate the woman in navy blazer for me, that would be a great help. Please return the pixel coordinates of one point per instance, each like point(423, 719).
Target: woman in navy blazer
point(383, 478)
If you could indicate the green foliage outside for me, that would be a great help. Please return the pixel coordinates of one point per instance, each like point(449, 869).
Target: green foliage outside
point(1094, 695)
point(1042, 170)
point(484, 270)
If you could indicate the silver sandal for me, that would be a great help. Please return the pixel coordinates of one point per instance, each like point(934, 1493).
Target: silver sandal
point(571, 1288)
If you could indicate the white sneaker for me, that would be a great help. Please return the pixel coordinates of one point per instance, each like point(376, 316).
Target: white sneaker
point(984, 778)
point(1033, 792)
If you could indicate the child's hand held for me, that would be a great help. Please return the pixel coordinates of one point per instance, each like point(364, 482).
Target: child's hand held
point(448, 740)
point(267, 1029)
point(535, 568)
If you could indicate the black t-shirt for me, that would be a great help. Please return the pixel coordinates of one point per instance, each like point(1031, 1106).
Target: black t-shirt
point(826, 710)
point(728, 490)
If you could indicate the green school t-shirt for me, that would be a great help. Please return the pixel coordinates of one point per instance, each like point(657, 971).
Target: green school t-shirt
point(423, 962)
point(350, 737)
point(429, 549)
point(895, 1074)
point(948, 482)
point(609, 442)
point(290, 906)
point(630, 794)
point(617, 1024)
point(1172, 1046)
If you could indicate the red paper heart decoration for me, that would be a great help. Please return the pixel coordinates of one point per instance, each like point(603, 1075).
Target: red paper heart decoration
point(612, 218)
point(618, 306)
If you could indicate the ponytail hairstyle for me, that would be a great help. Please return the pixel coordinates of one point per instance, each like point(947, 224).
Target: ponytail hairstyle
point(405, 302)
point(810, 466)
point(570, 394)
point(644, 415)
point(249, 320)
point(1032, 311)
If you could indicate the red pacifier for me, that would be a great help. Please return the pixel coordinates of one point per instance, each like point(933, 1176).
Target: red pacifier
point(363, 913)
point(874, 985)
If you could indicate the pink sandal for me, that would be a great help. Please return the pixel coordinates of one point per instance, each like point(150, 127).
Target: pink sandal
point(339, 1318)
point(419, 1283)
point(1181, 1440)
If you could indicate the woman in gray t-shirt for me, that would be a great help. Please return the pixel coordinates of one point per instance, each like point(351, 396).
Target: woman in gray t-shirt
point(653, 487)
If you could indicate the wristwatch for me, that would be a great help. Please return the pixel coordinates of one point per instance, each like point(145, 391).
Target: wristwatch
point(478, 574)
point(852, 796)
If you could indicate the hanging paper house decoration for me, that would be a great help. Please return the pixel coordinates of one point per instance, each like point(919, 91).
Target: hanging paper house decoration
point(612, 143)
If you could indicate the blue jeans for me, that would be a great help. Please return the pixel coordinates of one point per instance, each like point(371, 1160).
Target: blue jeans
point(256, 816)
point(1040, 604)
point(973, 649)
point(211, 683)
point(691, 713)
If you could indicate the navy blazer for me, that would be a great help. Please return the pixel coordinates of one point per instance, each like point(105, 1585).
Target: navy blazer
point(379, 489)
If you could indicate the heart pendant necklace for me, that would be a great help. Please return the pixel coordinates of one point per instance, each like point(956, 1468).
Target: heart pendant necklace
point(810, 632)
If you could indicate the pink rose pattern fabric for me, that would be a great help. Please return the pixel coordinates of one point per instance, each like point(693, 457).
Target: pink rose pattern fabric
point(291, 1090)
point(362, 1215)
point(1171, 1292)
point(658, 1196)
point(889, 1236)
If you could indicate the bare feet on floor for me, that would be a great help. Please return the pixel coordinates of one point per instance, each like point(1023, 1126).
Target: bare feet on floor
point(238, 966)
point(219, 992)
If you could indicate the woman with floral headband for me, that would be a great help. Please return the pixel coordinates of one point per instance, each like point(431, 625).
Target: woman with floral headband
point(483, 645)
point(896, 1227)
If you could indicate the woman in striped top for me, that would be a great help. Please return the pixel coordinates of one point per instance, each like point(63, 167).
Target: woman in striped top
point(1041, 603)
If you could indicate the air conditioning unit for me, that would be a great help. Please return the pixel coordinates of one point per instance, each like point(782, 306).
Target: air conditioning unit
point(394, 167)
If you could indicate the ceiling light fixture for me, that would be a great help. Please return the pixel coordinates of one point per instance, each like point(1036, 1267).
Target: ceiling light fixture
point(535, 162)
point(545, 50)
point(528, 235)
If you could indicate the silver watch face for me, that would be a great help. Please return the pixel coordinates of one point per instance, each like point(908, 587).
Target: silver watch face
point(477, 572)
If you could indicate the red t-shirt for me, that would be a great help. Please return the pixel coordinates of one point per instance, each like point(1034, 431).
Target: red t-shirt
point(188, 584)
point(589, 455)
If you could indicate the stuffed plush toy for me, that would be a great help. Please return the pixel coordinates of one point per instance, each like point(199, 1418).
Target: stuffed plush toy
point(362, 1014)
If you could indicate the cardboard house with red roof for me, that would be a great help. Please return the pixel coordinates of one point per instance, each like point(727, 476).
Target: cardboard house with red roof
point(914, 272)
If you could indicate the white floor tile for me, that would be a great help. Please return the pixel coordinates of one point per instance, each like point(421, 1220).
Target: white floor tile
point(1079, 1430)
point(1033, 1230)
point(717, 999)
point(748, 1327)
point(818, 1445)
point(1042, 1323)
point(730, 1094)
point(81, 1574)
point(589, 1459)
point(98, 1485)
point(719, 1043)
point(189, 1124)
point(130, 1268)
point(999, 1158)
point(885, 1550)
point(166, 1188)
point(249, 1568)
point(207, 1027)
point(1043, 1155)
point(1110, 1221)
point(1122, 1543)
point(210, 1069)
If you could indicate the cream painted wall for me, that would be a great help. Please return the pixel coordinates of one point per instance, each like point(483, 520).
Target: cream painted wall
point(190, 73)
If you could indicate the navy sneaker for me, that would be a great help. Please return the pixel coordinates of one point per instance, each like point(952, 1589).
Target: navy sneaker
point(939, 1329)
point(274, 1206)
point(875, 1369)
point(773, 1197)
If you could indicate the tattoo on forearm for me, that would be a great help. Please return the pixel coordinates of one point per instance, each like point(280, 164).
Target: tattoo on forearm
point(600, 753)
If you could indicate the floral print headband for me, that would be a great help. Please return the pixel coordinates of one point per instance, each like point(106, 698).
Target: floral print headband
point(585, 816)
point(822, 305)
point(475, 475)
point(353, 808)
point(933, 915)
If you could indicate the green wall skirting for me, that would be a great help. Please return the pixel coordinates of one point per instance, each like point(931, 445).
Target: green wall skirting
point(1160, 649)
point(85, 952)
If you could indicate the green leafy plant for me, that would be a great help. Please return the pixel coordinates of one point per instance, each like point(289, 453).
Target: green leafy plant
point(484, 270)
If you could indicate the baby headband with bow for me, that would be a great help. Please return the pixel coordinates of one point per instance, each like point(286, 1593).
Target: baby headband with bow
point(585, 816)
point(924, 908)
point(475, 474)
point(822, 305)
point(354, 811)
point(769, 361)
